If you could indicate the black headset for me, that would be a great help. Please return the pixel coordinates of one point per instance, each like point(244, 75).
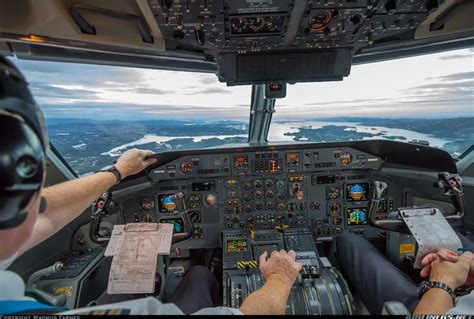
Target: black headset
point(23, 144)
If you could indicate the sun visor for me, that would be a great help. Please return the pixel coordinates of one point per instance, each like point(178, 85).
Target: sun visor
point(306, 66)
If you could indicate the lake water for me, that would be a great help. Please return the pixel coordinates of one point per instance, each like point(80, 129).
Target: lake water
point(278, 130)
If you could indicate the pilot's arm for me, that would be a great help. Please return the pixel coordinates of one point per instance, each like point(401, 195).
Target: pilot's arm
point(450, 270)
point(68, 200)
point(280, 272)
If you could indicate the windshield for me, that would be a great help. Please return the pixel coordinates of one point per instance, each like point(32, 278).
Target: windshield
point(94, 113)
point(426, 99)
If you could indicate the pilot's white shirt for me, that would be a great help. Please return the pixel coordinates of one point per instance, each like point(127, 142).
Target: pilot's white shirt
point(13, 288)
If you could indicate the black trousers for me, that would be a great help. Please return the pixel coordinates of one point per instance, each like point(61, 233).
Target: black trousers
point(374, 278)
point(198, 289)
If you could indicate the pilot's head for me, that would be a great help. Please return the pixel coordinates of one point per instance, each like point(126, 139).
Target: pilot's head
point(23, 143)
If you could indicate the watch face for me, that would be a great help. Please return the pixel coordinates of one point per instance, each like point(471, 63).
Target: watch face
point(106, 168)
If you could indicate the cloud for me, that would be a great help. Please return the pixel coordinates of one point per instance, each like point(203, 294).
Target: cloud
point(80, 90)
point(455, 76)
point(208, 80)
point(42, 90)
point(446, 85)
point(143, 90)
point(214, 90)
point(456, 57)
point(354, 101)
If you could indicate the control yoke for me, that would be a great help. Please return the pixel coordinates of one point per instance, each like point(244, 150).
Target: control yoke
point(105, 206)
point(180, 201)
point(452, 185)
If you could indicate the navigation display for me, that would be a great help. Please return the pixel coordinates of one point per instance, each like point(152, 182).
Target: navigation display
point(356, 216)
point(357, 192)
point(178, 225)
point(166, 204)
point(237, 246)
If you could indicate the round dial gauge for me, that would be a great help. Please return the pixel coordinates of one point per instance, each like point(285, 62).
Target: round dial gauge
point(333, 192)
point(346, 158)
point(195, 217)
point(314, 205)
point(320, 20)
point(148, 218)
point(258, 183)
point(147, 204)
point(334, 208)
point(186, 167)
point(269, 182)
point(337, 220)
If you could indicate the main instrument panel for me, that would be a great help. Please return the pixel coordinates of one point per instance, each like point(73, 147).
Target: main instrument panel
point(327, 190)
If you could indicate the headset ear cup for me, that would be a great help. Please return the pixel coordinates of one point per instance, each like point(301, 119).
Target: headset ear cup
point(21, 169)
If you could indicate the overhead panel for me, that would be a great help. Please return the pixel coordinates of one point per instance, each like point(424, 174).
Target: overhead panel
point(259, 41)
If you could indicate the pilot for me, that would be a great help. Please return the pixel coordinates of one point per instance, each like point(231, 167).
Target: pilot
point(29, 214)
point(376, 280)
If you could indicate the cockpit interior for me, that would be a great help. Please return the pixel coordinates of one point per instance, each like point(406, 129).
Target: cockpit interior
point(229, 204)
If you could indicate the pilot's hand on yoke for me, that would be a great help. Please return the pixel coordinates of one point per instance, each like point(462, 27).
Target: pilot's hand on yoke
point(280, 266)
point(134, 161)
point(449, 267)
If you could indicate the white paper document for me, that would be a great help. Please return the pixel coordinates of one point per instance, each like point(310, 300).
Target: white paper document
point(431, 231)
point(135, 249)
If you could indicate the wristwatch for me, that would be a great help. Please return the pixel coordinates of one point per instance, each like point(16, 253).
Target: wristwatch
point(113, 170)
point(427, 285)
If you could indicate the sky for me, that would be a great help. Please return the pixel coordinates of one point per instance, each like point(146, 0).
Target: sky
point(435, 85)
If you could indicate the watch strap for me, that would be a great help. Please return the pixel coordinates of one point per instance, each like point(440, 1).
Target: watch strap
point(113, 169)
point(427, 285)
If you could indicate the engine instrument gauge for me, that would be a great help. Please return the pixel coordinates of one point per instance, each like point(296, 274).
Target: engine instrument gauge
point(258, 183)
point(269, 182)
point(147, 204)
point(320, 20)
point(346, 158)
point(186, 167)
point(148, 218)
point(241, 163)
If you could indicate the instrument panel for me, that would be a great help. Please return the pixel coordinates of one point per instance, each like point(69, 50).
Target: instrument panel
point(327, 190)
